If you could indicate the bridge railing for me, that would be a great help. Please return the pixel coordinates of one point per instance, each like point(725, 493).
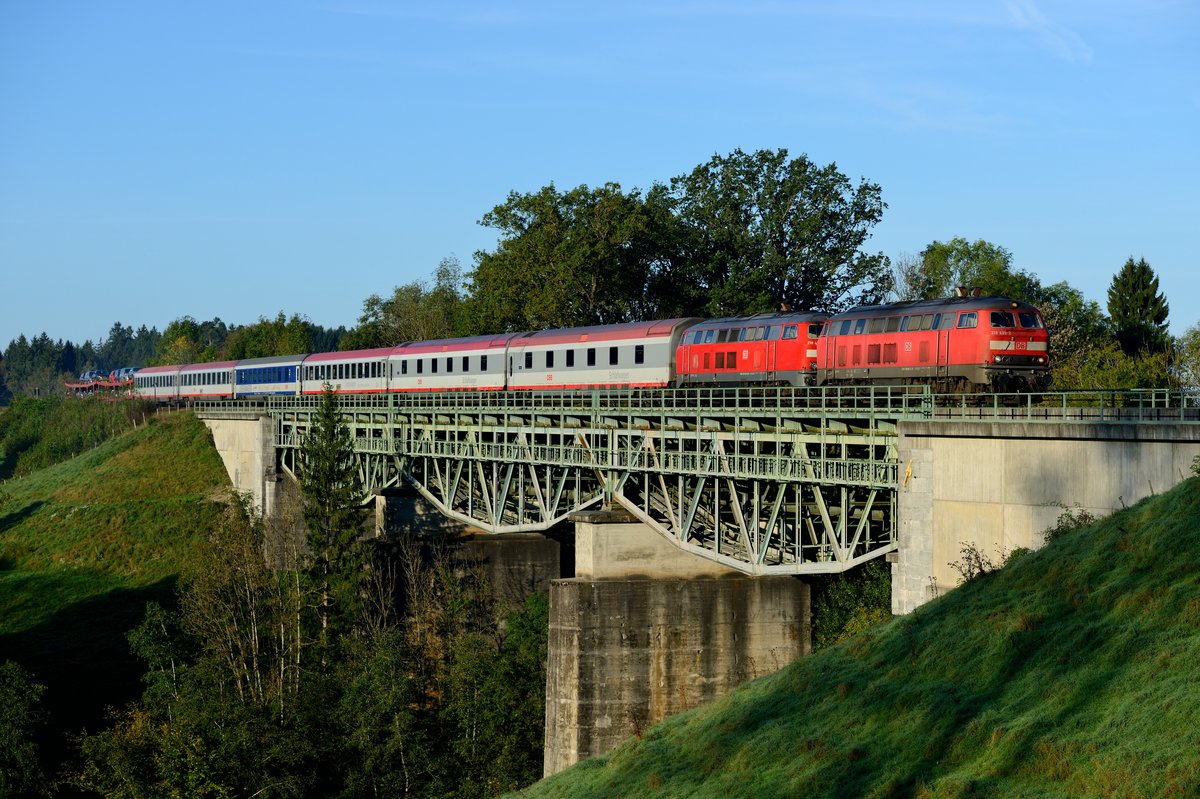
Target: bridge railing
point(896, 402)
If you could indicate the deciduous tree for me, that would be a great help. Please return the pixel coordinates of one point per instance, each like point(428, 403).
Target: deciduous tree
point(762, 229)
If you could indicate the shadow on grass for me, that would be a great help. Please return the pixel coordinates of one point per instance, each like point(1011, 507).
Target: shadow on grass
point(81, 655)
point(10, 520)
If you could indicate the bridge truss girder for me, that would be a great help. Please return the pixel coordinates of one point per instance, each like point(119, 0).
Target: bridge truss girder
point(759, 490)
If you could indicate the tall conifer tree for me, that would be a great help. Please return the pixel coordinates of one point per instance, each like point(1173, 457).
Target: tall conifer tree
point(1137, 309)
point(332, 491)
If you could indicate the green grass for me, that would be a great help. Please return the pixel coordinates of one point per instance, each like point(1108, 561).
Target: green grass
point(84, 544)
point(1072, 672)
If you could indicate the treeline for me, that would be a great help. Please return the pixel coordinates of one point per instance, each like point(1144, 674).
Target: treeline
point(40, 366)
point(742, 233)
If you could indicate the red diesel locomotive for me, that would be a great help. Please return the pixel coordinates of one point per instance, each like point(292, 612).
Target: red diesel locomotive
point(958, 344)
point(764, 349)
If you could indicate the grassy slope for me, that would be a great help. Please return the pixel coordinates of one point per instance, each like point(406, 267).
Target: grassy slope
point(1072, 672)
point(86, 543)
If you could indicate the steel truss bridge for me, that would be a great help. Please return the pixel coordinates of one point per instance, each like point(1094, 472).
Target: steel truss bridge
point(766, 481)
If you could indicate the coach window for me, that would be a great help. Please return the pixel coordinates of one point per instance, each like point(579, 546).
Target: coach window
point(483, 363)
point(570, 358)
point(449, 365)
point(790, 332)
point(1003, 319)
point(612, 356)
point(466, 364)
point(893, 324)
point(404, 367)
point(433, 366)
point(420, 365)
point(591, 356)
point(528, 360)
point(968, 319)
point(639, 353)
point(549, 359)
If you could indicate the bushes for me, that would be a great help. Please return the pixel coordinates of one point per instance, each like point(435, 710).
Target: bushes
point(35, 433)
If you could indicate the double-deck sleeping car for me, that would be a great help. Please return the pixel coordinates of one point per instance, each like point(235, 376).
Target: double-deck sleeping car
point(958, 344)
point(631, 355)
point(764, 349)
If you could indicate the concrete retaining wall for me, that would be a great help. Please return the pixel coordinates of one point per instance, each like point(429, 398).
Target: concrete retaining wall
point(1000, 486)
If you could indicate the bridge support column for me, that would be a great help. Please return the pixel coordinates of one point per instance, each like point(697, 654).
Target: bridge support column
point(646, 630)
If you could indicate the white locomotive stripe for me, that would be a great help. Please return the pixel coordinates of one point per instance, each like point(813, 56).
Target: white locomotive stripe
point(1011, 346)
point(812, 353)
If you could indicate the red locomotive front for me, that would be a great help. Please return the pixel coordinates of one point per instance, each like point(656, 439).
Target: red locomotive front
point(955, 344)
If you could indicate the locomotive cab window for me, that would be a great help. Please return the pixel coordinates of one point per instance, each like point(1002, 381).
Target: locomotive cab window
point(968, 319)
point(845, 331)
point(893, 324)
point(878, 324)
point(1029, 320)
point(790, 332)
point(1003, 319)
point(859, 326)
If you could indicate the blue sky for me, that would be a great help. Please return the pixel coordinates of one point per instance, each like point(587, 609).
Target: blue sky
point(236, 159)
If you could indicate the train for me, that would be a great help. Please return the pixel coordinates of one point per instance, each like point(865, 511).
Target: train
point(956, 344)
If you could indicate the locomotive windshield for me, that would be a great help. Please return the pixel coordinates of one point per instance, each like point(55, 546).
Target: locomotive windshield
point(1030, 320)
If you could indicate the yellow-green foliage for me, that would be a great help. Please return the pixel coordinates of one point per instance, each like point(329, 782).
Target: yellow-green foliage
point(1071, 672)
point(86, 543)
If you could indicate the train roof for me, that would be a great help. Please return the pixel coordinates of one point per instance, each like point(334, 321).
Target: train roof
point(470, 343)
point(204, 367)
point(772, 318)
point(155, 370)
point(271, 360)
point(933, 306)
point(660, 328)
point(352, 355)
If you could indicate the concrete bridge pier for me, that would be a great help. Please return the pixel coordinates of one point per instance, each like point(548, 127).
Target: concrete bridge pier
point(645, 630)
point(246, 444)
